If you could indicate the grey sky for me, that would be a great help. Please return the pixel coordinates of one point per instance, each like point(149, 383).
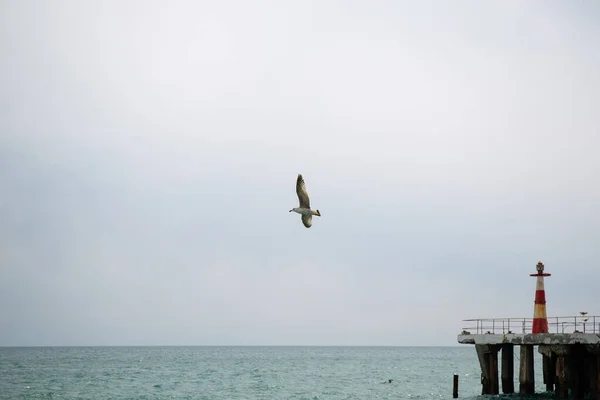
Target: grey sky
point(149, 151)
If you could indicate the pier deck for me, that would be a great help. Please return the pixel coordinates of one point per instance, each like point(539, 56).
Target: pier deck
point(588, 339)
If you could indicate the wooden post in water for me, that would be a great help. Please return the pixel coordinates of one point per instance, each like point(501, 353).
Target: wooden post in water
point(526, 370)
point(455, 387)
point(508, 369)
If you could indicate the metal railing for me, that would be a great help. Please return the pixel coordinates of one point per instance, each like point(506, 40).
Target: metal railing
point(583, 324)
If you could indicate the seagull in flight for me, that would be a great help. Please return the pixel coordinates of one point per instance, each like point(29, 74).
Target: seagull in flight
point(304, 208)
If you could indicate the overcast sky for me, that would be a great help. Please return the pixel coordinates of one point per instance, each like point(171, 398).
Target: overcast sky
point(149, 152)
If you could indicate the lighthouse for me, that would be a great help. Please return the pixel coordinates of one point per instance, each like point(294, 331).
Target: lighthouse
point(540, 320)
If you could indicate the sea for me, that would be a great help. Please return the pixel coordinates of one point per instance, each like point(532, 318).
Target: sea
point(215, 373)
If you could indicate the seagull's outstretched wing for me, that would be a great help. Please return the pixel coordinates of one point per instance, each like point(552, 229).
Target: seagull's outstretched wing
point(307, 220)
point(302, 194)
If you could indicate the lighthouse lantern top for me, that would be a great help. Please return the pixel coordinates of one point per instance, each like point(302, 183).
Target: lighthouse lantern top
point(540, 270)
point(540, 267)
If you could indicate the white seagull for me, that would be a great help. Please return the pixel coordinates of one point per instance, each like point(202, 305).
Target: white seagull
point(304, 208)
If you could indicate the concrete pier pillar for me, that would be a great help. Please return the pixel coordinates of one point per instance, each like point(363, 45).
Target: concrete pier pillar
point(526, 370)
point(587, 368)
point(493, 359)
point(591, 371)
point(484, 363)
point(592, 363)
point(508, 369)
point(597, 377)
point(549, 368)
point(576, 372)
point(488, 360)
point(561, 388)
point(589, 376)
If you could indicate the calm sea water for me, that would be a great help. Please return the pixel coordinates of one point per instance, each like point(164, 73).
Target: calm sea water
point(311, 373)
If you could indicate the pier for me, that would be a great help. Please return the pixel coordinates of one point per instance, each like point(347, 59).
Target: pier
point(570, 349)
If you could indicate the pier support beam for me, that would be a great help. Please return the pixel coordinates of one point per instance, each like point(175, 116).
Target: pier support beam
point(592, 374)
point(549, 367)
point(488, 360)
point(593, 370)
point(576, 372)
point(597, 377)
point(526, 370)
point(484, 363)
point(508, 369)
point(561, 389)
point(494, 386)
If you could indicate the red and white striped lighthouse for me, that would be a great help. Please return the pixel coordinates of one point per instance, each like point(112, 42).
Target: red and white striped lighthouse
point(540, 321)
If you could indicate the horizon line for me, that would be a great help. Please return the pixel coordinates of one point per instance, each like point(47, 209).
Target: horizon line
point(223, 345)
